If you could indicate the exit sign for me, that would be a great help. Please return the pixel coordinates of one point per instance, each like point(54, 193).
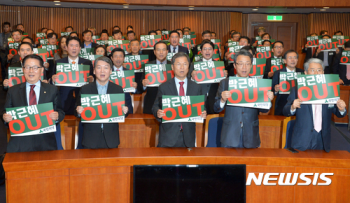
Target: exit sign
point(278, 18)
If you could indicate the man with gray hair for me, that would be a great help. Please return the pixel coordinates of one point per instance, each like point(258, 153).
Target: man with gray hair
point(312, 129)
point(240, 126)
point(177, 134)
point(97, 135)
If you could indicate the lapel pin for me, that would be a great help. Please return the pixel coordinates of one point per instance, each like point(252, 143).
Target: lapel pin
point(44, 92)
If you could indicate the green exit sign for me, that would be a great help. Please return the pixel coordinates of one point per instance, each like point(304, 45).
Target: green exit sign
point(278, 18)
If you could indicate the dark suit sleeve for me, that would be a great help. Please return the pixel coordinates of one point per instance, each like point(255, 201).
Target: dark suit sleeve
point(337, 112)
point(222, 87)
point(275, 80)
point(57, 105)
point(336, 61)
point(292, 96)
point(190, 71)
point(267, 68)
point(158, 103)
point(128, 103)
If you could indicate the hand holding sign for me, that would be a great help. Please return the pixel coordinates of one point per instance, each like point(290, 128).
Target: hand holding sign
point(54, 115)
point(6, 83)
point(7, 117)
point(125, 109)
point(160, 113)
point(277, 88)
point(296, 104)
point(341, 105)
point(225, 95)
point(80, 109)
point(204, 114)
point(270, 95)
point(145, 82)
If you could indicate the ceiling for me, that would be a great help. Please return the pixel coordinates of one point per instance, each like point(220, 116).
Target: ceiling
point(268, 10)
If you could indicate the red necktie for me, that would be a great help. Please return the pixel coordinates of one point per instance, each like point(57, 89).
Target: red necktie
point(32, 96)
point(313, 51)
point(73, 62)
point(181, 92)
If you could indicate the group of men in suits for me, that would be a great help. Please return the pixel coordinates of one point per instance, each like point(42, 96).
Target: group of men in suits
point(240, 126)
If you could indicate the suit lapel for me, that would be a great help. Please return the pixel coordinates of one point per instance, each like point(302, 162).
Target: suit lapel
point(311, 113)
point(94, 88)
point(42, 93)
point(23, 93)
point(173, 88)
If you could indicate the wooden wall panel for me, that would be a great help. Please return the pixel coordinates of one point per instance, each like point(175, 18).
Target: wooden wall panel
point(329, 21)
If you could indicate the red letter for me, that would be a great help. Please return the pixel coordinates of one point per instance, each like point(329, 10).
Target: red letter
point(29, 122)
point(130, 79)
point(64, 78)
point(158, 77)
point(76, 77)
point(335, 89)
point(85, 72)
point(150, 75)
point(199, 72)
point(255, 95)
point(173, 114)
point(222, 70)
point(325, 91)
point(344, 59)
point(119, 105)
point(189, 111)
point(287, 86)
point(239, 96)
point(21, 126)
point(100, 111)
point(309, 93)
point(93, 113)
point(47, 113)
point(265, 89)
point(199, 107)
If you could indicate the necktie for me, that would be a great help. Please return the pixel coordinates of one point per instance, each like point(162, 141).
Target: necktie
point(318, 117)
point(313, 51)
point(348, 72)
point(181, 92)
point(174, 49)
point(73, 62)
point(32, 96)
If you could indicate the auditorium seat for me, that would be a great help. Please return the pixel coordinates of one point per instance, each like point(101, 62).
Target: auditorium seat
point(288, 125)
point(213, 125)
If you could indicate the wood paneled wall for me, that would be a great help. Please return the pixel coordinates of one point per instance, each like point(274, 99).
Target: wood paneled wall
point(329, 21)
point(34, 18)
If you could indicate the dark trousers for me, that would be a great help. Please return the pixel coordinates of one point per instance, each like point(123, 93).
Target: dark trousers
point(180, 142)
point(3, 61)
point(315, 143)
point(240, 145)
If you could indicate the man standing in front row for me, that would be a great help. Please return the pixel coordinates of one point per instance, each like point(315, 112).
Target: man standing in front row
point(240, 126)
point(98, 135)
point(33, 92)
point(312, 129)
point(177, 134)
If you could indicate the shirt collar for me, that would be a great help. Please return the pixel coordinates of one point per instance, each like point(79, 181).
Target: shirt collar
point(71, 60)
point(177, 80)
point(158, 62)
point(119, 68)
point(207, 60)
point(99, 86)
point(37, 84)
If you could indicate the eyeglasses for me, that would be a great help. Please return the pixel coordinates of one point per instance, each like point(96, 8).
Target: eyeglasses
point(35, 68)
point(317, 70)
point(278, 47)
point(207, 49)
point(243, 64)
point(181, 64)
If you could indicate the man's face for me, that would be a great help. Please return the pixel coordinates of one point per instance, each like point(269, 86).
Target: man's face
point(314, 69)
point(16, 36)
point(277, 49)
point(6, 28)
point(87, 37)
point(131, 36)
point(130, 29)
point(100, 51)
point(152, 33)
point(207, 51)
point(186, 32)
point(118, 59)
point(69, 29)
point(24, 51)
point(174, 39)
point(32, 76)
point(261, 33)
point(266, 37)
point(20, 27)
point(212, 36)
point(102, 70)
point(291, 60)
point(236, 37)
point(104, 36)
point(74, 35)
point(63, 44)
point(267, 44)
point(93, 31)
point(338, 33)
point(325, 37)
point(326, 33)
point(44, 31)
point(73, 48)
point(135, 47)
point(180, 32)
point(117, 36)
point(180, 67)
point(243, 64)
point(52, 40)
point(159, 32)
point(161, 52)
point(243, 42)
point(49, 31)
point(206, 36)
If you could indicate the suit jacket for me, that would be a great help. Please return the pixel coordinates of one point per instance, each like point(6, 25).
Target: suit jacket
point(281, 99)
point(308, 51)
point(93, 137)
point(151, 93)
point(208, 89)
point(168, 131)
point(93, 45)
point(304, 122)
point(237, 119)
point(66, 93)
point(128, 100)
point(181, 49)
point(340, 68)
point(17, 97)
point(321, 56)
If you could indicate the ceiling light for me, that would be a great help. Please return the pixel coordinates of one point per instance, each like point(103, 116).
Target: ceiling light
point(57, 4)
point(325, 7)
point(191, 8)
point(322, 9)
point(56, 1)
point(255, 9)
point(125, 6)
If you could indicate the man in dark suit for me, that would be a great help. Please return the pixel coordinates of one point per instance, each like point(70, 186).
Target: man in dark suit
point(342, 70)
point(174, 46)
point(150, 52)
point(97, 135)
point(87, 43)
point(33, 92)
point(261, 31)
point(325, 56)
point(160, 51)
point(291, 60)
point(208, 89)
point(17, 37)
point(240, 126)
point(67, 94)
point(309, 50)
point(177, 134)
point(117, 57)
point(312, 129)
point(277, 50)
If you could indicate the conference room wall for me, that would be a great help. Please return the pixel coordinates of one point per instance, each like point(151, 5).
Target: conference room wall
point(34, 18)
point(329, 21)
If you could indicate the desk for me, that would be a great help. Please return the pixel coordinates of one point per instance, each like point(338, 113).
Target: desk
point(75, 176)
